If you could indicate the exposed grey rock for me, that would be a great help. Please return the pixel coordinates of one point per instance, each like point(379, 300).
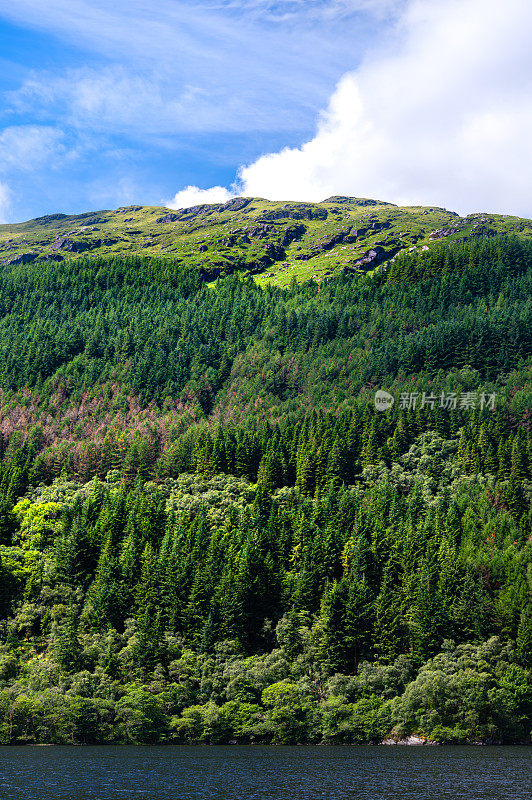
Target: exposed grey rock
point(328, 244)
point(167, 218)
point(236, 204)
point(358, 201)
point(374, 257)
point(51, 257)
point(292, 233)
point(229, 241)
point(194, 211)
point(296, 211)
point(409, 740)
point(62, 244)
point(80, 245)
point(261, 231)
point(23, 258)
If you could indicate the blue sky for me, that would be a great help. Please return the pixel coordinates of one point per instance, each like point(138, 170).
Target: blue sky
point(106, 103)
point(110, 102)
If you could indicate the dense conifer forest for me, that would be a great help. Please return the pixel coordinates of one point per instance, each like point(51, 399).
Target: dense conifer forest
point(208, 532)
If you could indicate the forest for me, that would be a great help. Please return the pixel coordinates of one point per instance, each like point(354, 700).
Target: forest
point(210, 534)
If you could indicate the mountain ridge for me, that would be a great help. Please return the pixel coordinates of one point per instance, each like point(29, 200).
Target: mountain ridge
point(276, 241)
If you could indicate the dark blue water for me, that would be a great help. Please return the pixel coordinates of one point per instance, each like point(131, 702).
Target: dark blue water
point(265, 773)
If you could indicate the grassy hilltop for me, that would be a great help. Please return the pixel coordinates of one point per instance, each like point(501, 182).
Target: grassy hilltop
point(276, 241)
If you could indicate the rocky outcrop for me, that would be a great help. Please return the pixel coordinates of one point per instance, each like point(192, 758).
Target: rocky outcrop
point(296, 211)
point(480, 229)
point(23, 258)
point(260, 231)
point(230, 240)
point(274, 252)
point(292, 234)
point(51, 257)
point(372, 258)
point(354, 234)
point(441, 233)
point(409, 740)
point(166, 218)
point(63, 243)
point(484, 231)
point(329, 242)
point(236, 204)
point(81, 245)
point(194, 211)
point(89, 218)
point(356, 201)
point(332, 241)
point(377, 225)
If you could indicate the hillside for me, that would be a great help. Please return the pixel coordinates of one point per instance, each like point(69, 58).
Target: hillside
point(209, 532)
point(273, 240)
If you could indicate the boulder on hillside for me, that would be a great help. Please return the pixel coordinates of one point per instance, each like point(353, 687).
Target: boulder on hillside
point(370, 258)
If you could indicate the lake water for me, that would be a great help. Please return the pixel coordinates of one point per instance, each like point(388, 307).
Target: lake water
point(265, 773)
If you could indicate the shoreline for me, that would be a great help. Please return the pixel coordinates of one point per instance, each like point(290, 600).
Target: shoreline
point(410, 741)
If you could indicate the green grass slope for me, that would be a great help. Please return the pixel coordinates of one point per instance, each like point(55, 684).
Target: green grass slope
point(276, 241)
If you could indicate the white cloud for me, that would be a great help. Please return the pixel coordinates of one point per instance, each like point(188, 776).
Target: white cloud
point(445, 119)
point(193, 196)
point(184, 65)
point(438, 111)
point(5, 202)
point(313, 9)
point(112, 99)
point(27, 147)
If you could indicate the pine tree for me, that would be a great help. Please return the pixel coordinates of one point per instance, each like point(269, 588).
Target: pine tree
point(67, 646)
point(524, 638)
point(504, 460)
point(519, 468)
point(389, 626)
